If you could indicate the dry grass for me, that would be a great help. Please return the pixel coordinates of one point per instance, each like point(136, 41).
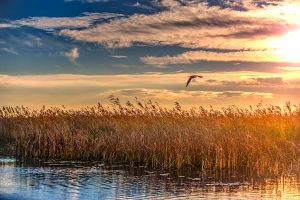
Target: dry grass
point(258, 138)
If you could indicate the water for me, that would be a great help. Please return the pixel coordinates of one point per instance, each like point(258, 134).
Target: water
point(76, 181)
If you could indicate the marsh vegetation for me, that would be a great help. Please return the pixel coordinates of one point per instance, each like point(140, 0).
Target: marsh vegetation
point(259, 138)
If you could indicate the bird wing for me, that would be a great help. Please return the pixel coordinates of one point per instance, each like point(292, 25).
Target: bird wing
point(188, 82)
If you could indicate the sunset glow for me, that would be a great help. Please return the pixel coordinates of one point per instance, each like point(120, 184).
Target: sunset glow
point(87, 50)
point(149, 99)
point(287, 47)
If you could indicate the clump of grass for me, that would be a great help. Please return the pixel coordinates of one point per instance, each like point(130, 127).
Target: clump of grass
point(260, 138)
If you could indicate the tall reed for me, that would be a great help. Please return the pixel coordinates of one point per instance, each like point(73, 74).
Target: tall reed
point(260, 138)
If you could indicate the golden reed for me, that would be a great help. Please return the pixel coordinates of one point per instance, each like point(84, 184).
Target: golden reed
point(258, 138)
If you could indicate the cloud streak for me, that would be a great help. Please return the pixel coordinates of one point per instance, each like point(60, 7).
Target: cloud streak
point(9, 50)
point(196, 56)
point(182, 94)
point(5, 25)
point(52, 23)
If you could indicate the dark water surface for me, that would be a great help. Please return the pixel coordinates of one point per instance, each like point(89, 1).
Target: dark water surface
point(75, 181)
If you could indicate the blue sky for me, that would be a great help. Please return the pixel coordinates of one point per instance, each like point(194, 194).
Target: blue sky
point(53, 51)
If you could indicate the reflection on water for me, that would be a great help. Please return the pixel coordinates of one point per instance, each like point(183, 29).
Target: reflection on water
point(100, 182)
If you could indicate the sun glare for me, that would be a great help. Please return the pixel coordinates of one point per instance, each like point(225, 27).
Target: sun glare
point(287, 47)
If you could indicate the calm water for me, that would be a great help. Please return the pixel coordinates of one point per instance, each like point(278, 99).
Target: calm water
point(115, 182)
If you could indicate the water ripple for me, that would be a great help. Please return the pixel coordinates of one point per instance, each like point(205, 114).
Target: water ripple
point(116, 182)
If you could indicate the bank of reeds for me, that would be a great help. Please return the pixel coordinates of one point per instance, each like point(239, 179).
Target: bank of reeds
point(257, 138)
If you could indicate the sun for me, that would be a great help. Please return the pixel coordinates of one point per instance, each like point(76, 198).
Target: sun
point(287, 47)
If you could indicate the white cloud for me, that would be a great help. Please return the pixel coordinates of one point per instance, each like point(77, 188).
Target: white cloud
point(118, 56)
point(72, 55)
point(51, 23)
point(5, 25)
point(142, 6)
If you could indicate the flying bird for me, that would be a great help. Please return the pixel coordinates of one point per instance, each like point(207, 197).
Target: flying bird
point(191, 78)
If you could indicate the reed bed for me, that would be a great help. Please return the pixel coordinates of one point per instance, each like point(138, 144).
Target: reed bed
point(257, 138)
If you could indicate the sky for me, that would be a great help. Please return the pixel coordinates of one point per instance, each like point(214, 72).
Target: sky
point(78, 52)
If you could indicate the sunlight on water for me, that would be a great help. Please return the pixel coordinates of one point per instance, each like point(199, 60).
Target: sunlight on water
point(100, 182)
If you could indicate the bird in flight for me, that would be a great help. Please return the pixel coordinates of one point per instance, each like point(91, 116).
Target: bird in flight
point(191, 78)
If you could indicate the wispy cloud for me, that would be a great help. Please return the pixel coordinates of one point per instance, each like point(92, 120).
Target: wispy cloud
point(9, 50)
point(254, 82)
point(73, 55)
point(169, 95)
point(52, 23)
point(118, 56)
point(140, 5)
point(270, 80)
point(5, 25)
point(290, 68)
point(196, 56)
